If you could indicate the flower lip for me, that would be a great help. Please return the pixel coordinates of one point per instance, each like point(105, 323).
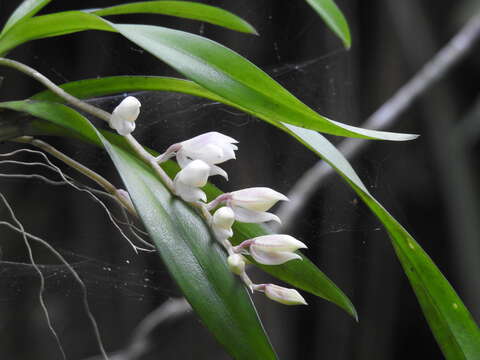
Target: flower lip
point(189, 179)
point(194, 174)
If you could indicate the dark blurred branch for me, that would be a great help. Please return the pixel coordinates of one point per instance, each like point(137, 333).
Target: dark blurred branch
point(469, 128)
point(433, 71)
point(142, 341)
point(449, 155)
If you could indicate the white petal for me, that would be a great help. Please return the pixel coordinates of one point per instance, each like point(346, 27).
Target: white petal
point(223, 218)
point(250, 216)
point(121, 126)
point(228, 151)
point(212, 147)
point(257, 198)
point(210, 153)
point(222, 234)
point(212, 137)
point(272, 257)
point(218, 138)
point(189, 193)
point(216, 170)
point(278, 243)
point(194, 174)
point(182, 159)
point(284, 295)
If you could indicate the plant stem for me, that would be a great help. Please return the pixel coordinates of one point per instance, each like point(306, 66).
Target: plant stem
point(99, 113)
point(100, 180)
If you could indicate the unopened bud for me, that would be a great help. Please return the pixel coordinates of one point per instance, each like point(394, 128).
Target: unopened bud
point(283, 295)
point(236, 263)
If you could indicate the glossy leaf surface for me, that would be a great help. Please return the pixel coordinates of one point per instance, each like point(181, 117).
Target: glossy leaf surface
point(303, 274)
point(25, 10)
point(450, 321)
point(184, 242)
point(45, 26)
point(183, 9)
point(334, 19)
point(209, 64)
point(229, 75)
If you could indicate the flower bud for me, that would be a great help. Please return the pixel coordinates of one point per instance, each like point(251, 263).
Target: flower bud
point(124, 115)
point(256, 198)
point(236, 263)
point(283, 295)
point(222, 222)
point(275, 249)
point(189, 179)
point(224, 218)
point(250, 205)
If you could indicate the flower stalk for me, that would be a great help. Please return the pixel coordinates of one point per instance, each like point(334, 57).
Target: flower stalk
point(198, 157)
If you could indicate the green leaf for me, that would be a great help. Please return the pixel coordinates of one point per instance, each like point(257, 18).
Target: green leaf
point(234, 78)
point(183, 240)
point(45, 26)
point(304, 275)
point(450, 321)
point(195, 260)
point(209, 64)
point(334, 18)
point(90, 88)
point(183, 9)
point(25, 10)
point(301, 274)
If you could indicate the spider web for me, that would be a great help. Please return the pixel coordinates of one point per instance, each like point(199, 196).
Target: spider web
point(319, 76)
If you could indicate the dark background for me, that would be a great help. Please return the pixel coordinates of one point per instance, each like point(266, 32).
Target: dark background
point(430, 184)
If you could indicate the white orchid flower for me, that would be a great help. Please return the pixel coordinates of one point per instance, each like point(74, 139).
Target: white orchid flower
point(281, 294)
point(222, 221)
point(188, 181)
point(250, 205)
point(212, 148)
point(124, 115)
point(272, 249)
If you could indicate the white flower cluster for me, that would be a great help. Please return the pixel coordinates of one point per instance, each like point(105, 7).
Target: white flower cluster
point(199, 158)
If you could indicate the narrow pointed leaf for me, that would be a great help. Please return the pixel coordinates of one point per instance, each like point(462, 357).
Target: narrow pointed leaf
point(25, 10)
point(209, 64)
point(229, 75)
point(195, 260)
point(334, 19)
point(183, 9)
point(302, 274)
point(45, 26)
point(450, 321)
point(183, 240)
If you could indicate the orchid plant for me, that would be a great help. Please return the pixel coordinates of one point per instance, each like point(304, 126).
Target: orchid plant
point(179, 208)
